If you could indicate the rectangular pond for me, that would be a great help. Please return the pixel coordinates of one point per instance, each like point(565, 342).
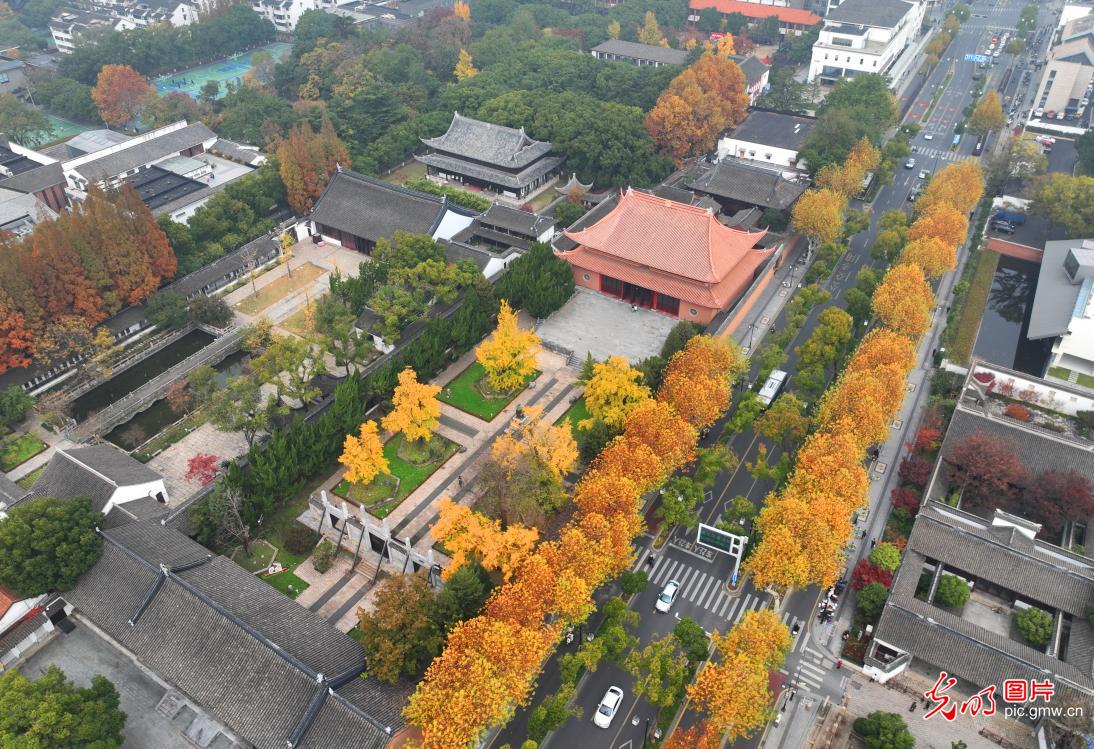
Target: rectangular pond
point(1002, 336)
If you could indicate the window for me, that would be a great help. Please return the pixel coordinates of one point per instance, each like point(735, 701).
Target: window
point(611, 286)
point(693, 312)
point(666, 303)
point(585, 276)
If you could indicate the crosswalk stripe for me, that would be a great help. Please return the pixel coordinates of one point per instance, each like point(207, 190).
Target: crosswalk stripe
point(709, 599)
point(785, 616)
point(804, 642)
point(688, 588)
point(809, 667)
point(662, 575)
point(701, 590)
point(657, 567)
point(716, 603)
point(744, 607)
point(726, 605)
point(729, 612)
point(800, 678)
point(686, 573)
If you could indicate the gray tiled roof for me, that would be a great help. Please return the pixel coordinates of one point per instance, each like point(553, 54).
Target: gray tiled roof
point(879, 13)
point(504, 147)
point(21, 631)
point(740, 182)
point(64, 478)
point(752, 67)
point(118, 466)
point(1040, 451)
point(457, 165)
point(1036, 571)
point(263, 248)
point(637, 51)
point(141, 508)
point(237, 646)
point(775, 129)
point(373, 209)
point(10, 492)
point(113, 164)
point(237, 151)
point(525, 222)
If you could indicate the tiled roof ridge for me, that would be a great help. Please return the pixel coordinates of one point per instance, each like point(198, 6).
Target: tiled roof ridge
point(86, 467)
point(992, 540)
point(166, 571)
point(376, 182)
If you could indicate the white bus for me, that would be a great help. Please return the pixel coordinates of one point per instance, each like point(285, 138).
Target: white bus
point(772, 387)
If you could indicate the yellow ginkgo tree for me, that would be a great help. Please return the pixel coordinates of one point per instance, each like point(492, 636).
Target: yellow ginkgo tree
point(417, 412)
point(363, 455)
point(509, 354)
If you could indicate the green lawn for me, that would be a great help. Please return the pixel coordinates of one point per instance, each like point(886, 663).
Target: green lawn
point(170, 436)
point(262, 553)
point(1064, 374)
point(411, 475)
point(28, 481)
point(16, 449)
point(464, 393)
point(975, 300)
point(574, 414)
point(282, 581)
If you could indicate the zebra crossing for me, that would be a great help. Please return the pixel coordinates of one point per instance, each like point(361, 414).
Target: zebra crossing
point(703, 590)
point(943, 154)
point(811, 669)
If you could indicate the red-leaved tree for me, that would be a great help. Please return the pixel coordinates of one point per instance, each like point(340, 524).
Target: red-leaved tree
point(866, 573)
point(202, 468)
point(1056, 497)
point(987, 466)
point(915, 470)
point(907, 499)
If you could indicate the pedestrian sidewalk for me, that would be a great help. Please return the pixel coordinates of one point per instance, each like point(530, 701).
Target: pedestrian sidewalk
point(759, 320)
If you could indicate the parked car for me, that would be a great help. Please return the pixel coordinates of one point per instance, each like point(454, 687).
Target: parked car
point(1003, 227)
point(608, 707)
point(924, 174)
point(1038, 112)
point(667, 596)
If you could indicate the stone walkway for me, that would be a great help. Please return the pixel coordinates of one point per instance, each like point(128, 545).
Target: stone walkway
point(172, 463)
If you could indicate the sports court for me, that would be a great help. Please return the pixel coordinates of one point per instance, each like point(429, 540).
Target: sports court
point(229, 70)
point(62, 130)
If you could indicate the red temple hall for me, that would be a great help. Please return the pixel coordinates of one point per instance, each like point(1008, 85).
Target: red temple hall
point(668, 256)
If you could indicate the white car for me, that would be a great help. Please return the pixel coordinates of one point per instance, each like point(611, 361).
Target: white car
point(924, 174)
point(667, 597)
point(928, 136)
point(608, 707)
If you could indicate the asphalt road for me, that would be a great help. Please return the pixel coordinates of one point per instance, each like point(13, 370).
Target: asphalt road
point(810, 669)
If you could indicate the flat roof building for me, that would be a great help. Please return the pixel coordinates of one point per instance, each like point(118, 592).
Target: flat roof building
point(864, 36)
point(1063, 306)
point(1063, 86)
point(771, 138)
point(792, 21)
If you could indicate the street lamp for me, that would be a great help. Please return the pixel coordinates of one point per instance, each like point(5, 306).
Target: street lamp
point(751, 330)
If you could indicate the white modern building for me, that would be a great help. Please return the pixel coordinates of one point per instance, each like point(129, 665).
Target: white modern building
point(864, 36)
point(769, 138)
point(67, 25)
point(1063, 307)
point(284, 14)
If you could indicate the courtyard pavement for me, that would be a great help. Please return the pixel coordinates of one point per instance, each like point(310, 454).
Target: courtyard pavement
point(172, 463)
point(591, 323)
point(82, 654)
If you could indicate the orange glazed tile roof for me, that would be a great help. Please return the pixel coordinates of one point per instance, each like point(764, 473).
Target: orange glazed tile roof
point(671, 248)
point(757, 11)
point(7, 598)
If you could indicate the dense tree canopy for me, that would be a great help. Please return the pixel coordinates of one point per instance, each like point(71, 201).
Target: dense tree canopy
point(53, 713)
point(46, 544)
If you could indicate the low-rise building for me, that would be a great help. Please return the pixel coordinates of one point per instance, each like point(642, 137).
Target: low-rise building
point(664, 255)
point(864, 36)
point(285, 14)
point(67, 26)
point(793, 21)
point(34, 174)
point(503, 161)
point(770, 138)
point(356, 211)
point(1063, 307)
point(1063, 86)
point(70, 23)
point(13, 78)
point(757, 76)
point(737, 185)
point(639, 54)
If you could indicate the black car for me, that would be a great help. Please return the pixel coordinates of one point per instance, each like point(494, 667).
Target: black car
point(1003, 227)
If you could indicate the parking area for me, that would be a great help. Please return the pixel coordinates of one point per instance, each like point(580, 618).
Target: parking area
point(597, 324)
point(82, 654)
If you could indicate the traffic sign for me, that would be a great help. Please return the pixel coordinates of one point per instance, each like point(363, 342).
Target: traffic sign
point(719, 540)
point(976, 58)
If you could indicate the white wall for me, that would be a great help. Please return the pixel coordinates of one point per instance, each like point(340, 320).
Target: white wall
point(872, 52)
point(125, 494)
point(451, 224)
point(740, 149)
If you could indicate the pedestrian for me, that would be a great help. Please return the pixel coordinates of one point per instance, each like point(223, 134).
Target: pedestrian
point(873, 543)
point(459, 481)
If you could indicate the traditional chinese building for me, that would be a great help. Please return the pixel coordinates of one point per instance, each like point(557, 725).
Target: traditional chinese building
point(668, 256)
point(485, 156)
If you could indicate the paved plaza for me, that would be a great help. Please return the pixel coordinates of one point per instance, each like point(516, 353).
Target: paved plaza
point(597, 324)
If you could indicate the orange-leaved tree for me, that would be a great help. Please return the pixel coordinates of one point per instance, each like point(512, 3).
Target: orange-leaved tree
point(818, 214)
point(363, 455)
point(759, 633)
point(462, 11)
point(119, 94)
point(863, 403)
point(553, 446)
point(959, 185)
point(697, 106)
point(416, 411)
point(307, 160)
point(865, 154)
point(933, 256)
point(843, 179)
point(509, 354)
point(472, 535)
point(903, 301)
point(942, 221)
point(881, 347)
point(613, 391)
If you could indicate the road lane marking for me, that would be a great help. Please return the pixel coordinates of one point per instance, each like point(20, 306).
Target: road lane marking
point(668, 568)
point(683, 579)
point(717, 604)
point(715, 593)
point(698, 594)
point(657, 566)
point(734, 601)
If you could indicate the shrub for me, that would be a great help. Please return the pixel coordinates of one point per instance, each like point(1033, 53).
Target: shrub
point(324, 555)
point(952, 592)
point(1085, 423)
point(906, 499)
point(633, 582)
point(866, 573)
point(915, 470)
point(299, 539)
point(1017, 411)
point(551, 713)
point(566, 213)
point(211, 311)
point(883, 730)
point(1035, 625)
point(900, 522)
point(886, 556)
point(870, 601)
point(538, 282)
